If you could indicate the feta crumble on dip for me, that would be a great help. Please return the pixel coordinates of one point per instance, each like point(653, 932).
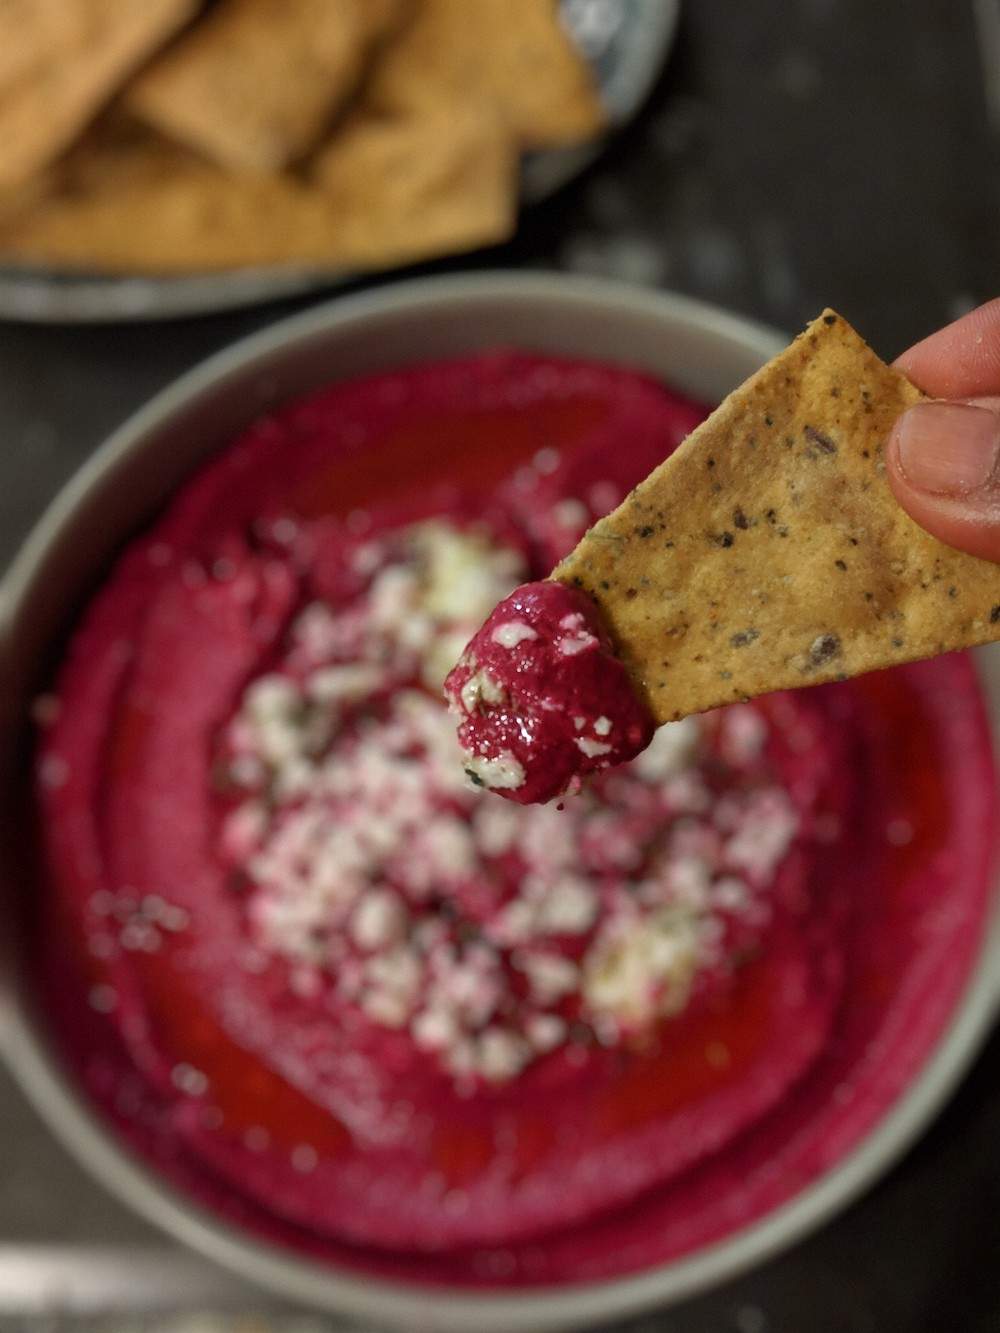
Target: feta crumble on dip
point(323, 980)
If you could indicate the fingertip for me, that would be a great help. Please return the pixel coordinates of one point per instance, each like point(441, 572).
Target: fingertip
point(941, 465)
point(963, 526)
point(961, 360)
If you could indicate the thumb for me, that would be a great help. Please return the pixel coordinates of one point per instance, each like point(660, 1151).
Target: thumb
point(943, 463)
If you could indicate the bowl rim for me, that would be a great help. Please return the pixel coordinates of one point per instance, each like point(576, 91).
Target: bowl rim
point(334, 1287)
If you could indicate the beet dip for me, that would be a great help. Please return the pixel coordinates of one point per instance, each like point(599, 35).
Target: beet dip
point(321, 979)
point(540, 697)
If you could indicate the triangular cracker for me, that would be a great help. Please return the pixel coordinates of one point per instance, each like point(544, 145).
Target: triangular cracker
point(768, 552)
point(514, 53)
point(60, 61)
point(382, 192)
point(255, 84)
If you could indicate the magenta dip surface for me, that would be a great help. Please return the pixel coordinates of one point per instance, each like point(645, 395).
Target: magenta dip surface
point(346, 998)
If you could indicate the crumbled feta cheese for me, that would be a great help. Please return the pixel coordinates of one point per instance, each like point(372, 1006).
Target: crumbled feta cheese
point(731, 894)
point(242, 831)
point(671, 749)
point(344, 683)
point(568, 907)
point(435, 1029)
point(502, 772)
point(767, 825)
point(440, 655)
point(379, 919)
point(393, 594)
point(545, 1031)
point(578, 643)
point(743, 733)
point(271, 706)
point(550, 976)
point(643, 970)
point(513, 632)
point(496, 825)
point(367, 558)
point(465, 575)
point(246, 770)
point(501, 1054)
point(271, 697)
point(602, 727)
point(688, 879)
point(481, 687)
point(592, 748)
point(392, 985)
point(515, 923)
point(388, 1007)
point(189, 1080)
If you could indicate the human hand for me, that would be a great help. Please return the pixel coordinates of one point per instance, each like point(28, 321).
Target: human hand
point(943, 457)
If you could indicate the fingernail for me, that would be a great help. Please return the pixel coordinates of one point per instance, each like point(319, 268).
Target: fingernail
point(948, 448)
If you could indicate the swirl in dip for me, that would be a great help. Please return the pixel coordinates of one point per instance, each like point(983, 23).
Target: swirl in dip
point(332, 986)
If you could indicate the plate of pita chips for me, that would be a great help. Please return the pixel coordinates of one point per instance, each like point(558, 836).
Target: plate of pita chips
point(180, 156)
point(768, 552)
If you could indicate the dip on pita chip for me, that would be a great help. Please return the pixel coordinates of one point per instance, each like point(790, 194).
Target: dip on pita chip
point(60, 61)
point(255, 84)
point(514, 52)
point(768, 552)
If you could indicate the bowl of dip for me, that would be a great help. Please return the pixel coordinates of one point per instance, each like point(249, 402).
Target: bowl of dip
point(303, 994)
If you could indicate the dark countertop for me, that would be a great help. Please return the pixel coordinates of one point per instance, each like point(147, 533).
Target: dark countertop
point(794, 155)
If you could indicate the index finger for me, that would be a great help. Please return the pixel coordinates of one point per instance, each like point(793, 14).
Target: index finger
point(962, 360)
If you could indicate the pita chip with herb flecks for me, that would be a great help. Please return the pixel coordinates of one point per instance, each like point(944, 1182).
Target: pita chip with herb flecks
point(768, 551)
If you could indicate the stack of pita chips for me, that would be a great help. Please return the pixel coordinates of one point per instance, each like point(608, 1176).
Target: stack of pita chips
point(167, 136)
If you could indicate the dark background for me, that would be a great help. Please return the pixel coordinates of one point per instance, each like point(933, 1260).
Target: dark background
point(794, 155)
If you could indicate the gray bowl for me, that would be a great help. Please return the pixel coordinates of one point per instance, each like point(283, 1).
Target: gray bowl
point(701, 351)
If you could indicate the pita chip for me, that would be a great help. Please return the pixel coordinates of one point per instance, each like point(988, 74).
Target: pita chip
point(255, 84)
point(60, 61)
point(514, 52)
point(768, 551)
point(126, 200)
point(429, 183)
